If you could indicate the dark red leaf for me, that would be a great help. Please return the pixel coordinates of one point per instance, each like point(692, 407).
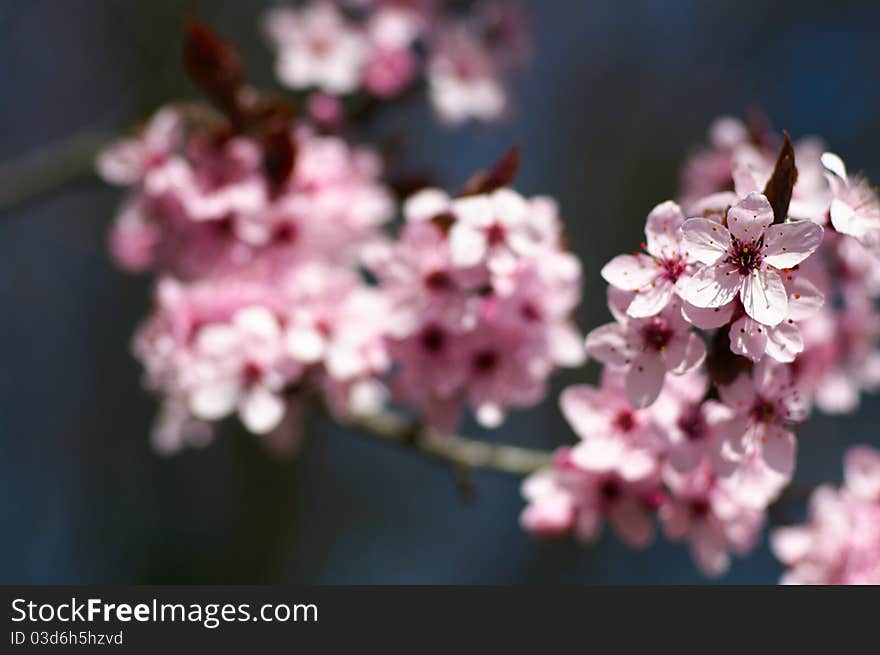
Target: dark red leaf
point(781, 183)
point(500, 175)
point(213, 64)
point(279, 153)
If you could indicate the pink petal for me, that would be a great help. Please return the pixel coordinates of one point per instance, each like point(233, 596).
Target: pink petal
point(709, 549)
point(778, 448)
point(630, 272)
point(261, 411)
point(862, 472)
point(707, 318)
point(598, 454)
point(632, 524)
point(580, 406)
point(712, 286)
point(644, 380)
point(684, 354)
point(467, 244)
point(844, 218)
point(788, 244)
point(661, 229)
point(588, 524)
point(705, 240)
point(651, 300)
point(784, 342)
point(804, 299)
point(215, 400)
point(608, 345)
point(748, 338)
point(739, 395)
point(748, 219)
point(834, 164)
point(764, 297)
point(791, 544)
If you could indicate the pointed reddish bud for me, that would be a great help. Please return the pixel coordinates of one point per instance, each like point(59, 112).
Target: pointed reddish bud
point(214, 66)
point(781, 183)
point(500, 175)
point(279, 153)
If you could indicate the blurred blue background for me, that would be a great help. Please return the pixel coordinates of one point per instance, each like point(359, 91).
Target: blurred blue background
point(615, 96)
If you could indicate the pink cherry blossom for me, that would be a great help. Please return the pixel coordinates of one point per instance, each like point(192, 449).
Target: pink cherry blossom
point(840, 543)
point(766, 404)
point(497, 228)
point(646, 349)
point(745, 258)
point(701, 510)
point(616, 437)
point(567, 498)
point(463, 83)
point(127, 161)
point(653, 276)
point(317, 48)
point(855, 208)
point(690, 422)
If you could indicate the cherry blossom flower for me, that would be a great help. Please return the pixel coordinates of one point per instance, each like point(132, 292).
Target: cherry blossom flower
point(317, 48)
point(127, 161)
point(840, 543)
point(855, 209)
point(653, 276)
point(701, 510)
point(745, 258)
point(766, 404)
point(215, 354)
point(462, 80)
point(567, 498)
point(690, 422)
point(498, 227)
point(646, 349)
point(616, 436)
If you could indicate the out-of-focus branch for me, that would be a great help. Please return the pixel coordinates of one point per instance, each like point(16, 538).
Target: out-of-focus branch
point(458, 451)
point(48, 169)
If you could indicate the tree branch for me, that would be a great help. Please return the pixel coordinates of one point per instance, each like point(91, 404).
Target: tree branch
point(48, 169)
point(455, 450)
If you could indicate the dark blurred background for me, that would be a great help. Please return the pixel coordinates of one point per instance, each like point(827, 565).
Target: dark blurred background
point(615, 96)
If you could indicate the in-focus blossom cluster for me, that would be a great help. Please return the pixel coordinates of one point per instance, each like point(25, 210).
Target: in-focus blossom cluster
point(279, 288)
point(749, 301)
point(335, 49)
point(840, 542)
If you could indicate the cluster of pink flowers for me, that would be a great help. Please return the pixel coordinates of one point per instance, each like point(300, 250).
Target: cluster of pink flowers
point(382, 47)
point(752, 268)
point(840, 543)
point(482, 293)
point(261, 231)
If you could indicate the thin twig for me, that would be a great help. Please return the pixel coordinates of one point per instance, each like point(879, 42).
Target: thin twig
point(455, 450)
point(48, 169)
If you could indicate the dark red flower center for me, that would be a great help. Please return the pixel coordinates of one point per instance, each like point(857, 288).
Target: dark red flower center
point(496, 234)
point(433, 339)
point(438, 281)
point(657, 333)
point(673, 268)
point(485, 361)
point(625, 421)
point(746, 257)
point(693, 425)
